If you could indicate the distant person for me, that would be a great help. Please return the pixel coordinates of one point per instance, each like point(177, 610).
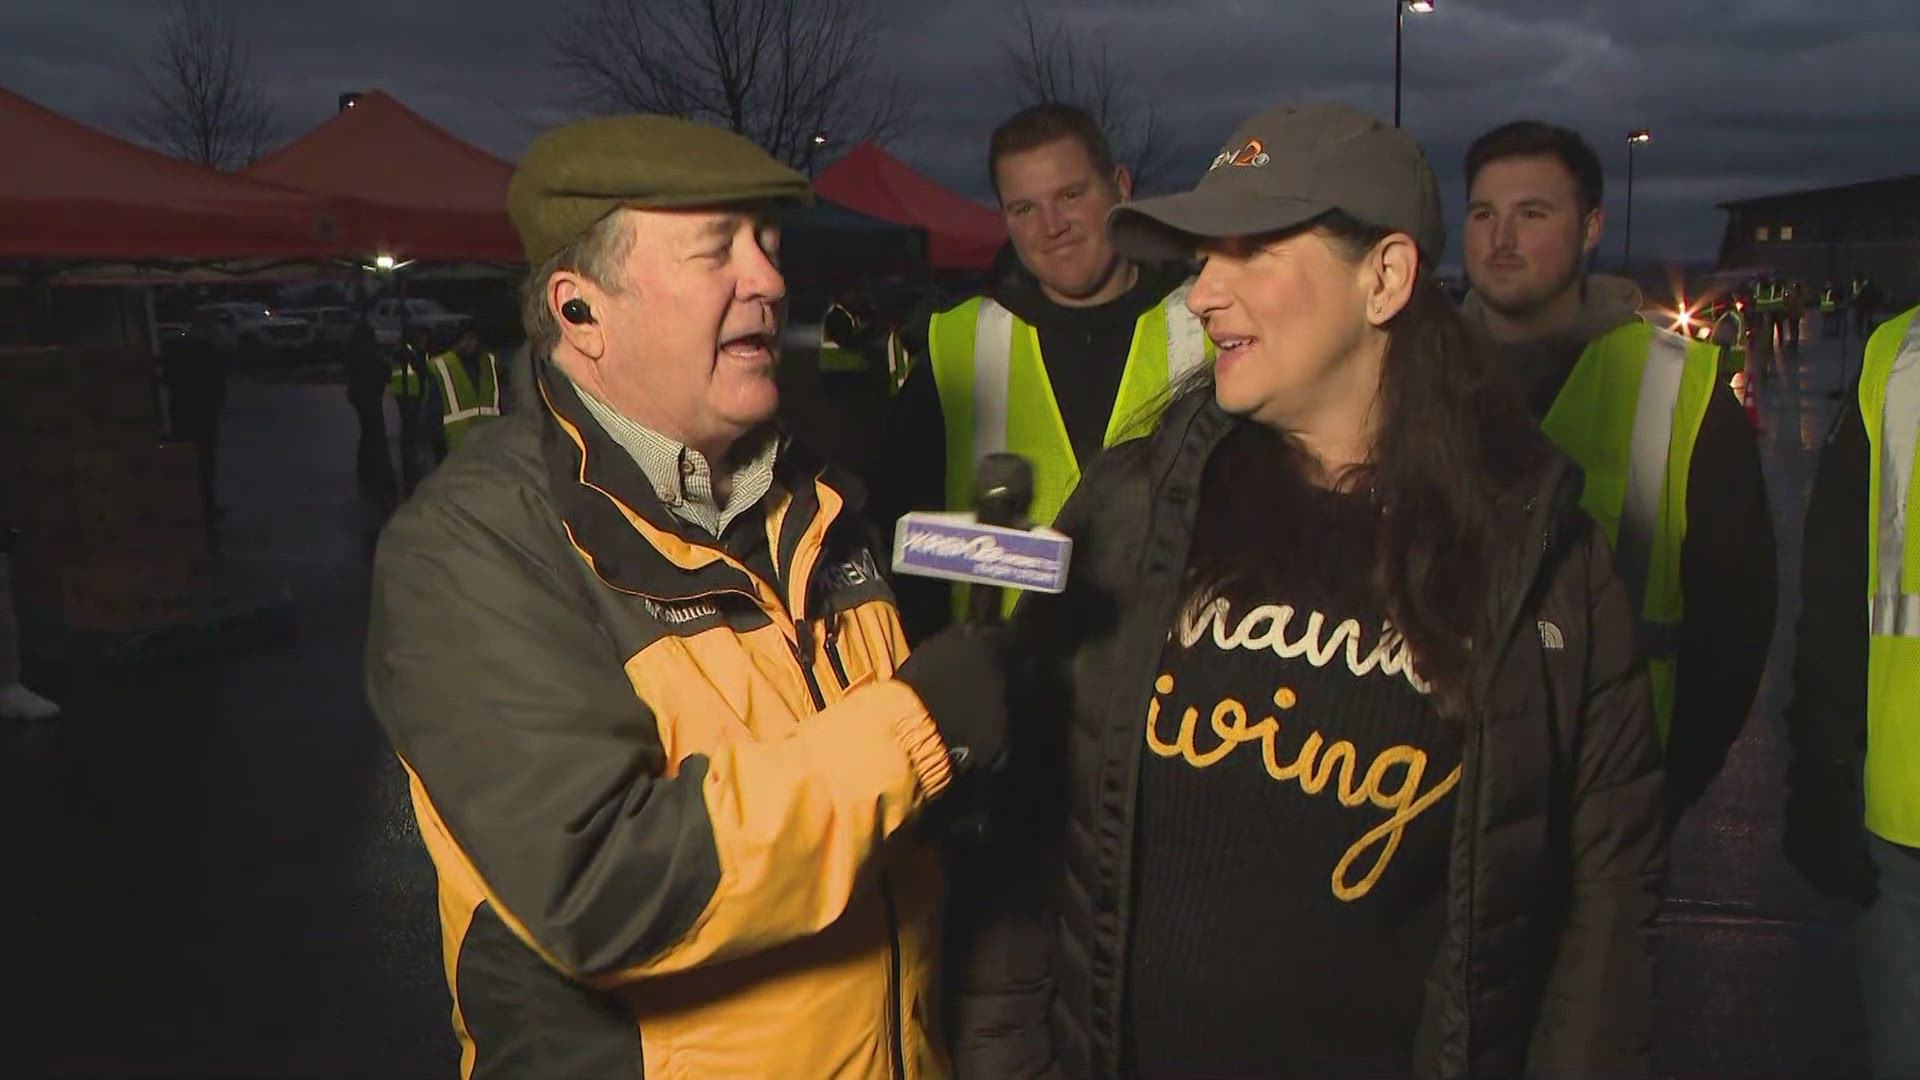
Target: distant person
point(194, 371)
point(1053, 362)
point(16, 701)
point(1852, 824)
point(1830, 305)
point(416, 401)
point(1730, 334)
point(367, 372)
point(845, 334)
point(1793, 309)
point(1769, 301)
point(1672, 466)
point(470, 387)
point(1867, 299)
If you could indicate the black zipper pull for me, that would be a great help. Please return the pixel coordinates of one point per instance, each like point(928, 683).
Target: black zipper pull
point(803, 640)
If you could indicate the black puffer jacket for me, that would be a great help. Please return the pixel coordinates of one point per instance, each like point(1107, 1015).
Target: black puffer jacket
point(1559, 848)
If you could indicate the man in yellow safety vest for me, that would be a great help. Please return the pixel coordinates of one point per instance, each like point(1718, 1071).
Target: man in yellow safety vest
point(1672, 468)
point(469, 383)
point(1068, 352)
point(1854, 718)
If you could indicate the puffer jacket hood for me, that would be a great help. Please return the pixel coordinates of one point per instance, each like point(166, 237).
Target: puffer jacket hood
point(1606, 301)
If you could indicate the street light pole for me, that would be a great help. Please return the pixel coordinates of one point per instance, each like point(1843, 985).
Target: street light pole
point(1634, 138)
point(1399, 32)
point(815, 143)
point(1400, 9)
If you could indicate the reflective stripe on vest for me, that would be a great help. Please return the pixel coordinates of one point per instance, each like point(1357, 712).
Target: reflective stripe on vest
point(995, 393)
point(1894, 605)
point(465, 402)
point(1890, 408)
point(1630, 413)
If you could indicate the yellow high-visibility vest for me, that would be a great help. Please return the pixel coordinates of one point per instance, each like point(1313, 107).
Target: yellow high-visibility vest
point(465, 403)
point(995, 394)
point(1890, 407)
point(839, 356)
point(1630, 414)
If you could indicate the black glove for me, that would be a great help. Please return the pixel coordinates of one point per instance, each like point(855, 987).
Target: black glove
point(960, 676)
point(1824, 837)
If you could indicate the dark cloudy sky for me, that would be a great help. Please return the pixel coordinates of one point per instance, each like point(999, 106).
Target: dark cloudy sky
point(1743, 96)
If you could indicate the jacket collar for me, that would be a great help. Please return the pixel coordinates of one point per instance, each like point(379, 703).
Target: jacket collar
point(634, 543)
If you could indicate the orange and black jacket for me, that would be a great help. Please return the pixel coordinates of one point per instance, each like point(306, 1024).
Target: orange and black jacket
point(663, 778)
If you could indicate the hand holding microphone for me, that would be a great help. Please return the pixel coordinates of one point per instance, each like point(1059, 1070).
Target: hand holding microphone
point(959, 673)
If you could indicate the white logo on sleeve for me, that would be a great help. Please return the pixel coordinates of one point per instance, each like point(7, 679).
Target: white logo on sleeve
point(1551, 637)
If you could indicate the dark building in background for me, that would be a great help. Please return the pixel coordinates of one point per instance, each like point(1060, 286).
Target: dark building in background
point(1831, 234)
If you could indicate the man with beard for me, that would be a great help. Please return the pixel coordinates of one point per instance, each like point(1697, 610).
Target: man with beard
point(1672, 468)
point(1066, 353)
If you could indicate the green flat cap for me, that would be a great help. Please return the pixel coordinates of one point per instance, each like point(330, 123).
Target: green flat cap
point(574, 175)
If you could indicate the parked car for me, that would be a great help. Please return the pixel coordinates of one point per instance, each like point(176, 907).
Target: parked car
point(418, 313)
point(327, 327)
point(250, 329)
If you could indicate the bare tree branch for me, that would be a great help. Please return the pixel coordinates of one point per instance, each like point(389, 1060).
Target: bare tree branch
point(779, 72)
point(1045, 61)
point(204, 101)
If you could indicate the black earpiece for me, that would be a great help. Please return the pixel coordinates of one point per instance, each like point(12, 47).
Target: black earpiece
point(576, 311)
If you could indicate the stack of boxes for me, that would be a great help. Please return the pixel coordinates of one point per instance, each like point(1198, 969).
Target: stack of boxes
point(113, 537)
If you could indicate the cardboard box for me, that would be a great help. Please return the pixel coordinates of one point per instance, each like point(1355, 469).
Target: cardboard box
point(132, 593)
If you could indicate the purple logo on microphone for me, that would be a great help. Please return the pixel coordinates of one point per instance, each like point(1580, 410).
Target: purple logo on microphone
point(958, 548)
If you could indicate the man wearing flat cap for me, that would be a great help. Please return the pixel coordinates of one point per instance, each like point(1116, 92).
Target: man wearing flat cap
point(648, 684)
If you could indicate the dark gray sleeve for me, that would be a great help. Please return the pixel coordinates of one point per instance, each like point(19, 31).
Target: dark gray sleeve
point(1827, 715)
point(514, 712)
point(1729, 580)
point(912, 475)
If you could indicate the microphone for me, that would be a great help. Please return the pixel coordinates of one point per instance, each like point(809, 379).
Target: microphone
point(992, 548)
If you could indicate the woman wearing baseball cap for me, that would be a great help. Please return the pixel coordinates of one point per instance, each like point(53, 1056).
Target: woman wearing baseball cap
point(1335, 758)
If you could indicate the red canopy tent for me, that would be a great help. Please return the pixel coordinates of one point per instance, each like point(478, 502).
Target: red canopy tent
point(961, 234)
point(68, 191)
point(414, 191)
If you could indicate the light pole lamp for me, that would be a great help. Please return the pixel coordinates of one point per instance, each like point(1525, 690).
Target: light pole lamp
point(1400, 9)
point(816, 143)
point(1634, 138)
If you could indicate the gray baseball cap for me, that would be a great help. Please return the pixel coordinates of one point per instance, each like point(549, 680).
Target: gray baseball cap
point(1286, 166)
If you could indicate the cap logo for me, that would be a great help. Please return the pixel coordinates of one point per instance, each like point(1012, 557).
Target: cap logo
point(1252, 155)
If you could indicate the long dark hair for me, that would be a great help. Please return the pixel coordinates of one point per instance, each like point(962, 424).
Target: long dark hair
point(1452, 436)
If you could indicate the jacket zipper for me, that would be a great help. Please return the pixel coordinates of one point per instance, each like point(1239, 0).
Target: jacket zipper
point(894, 1021)
point(833, 651)
point(802, 645)
point(1525, 584)
point(895, 1025)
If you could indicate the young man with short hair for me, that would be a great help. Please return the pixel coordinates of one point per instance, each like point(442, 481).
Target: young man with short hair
point(1065, 354)
point(1673, 470)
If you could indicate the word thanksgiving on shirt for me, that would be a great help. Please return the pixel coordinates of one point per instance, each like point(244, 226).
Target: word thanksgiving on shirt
point(1390, 782)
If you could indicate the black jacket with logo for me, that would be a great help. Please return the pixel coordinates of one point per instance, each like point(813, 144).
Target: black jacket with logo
point(1729, 580)
point(1559, 841)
